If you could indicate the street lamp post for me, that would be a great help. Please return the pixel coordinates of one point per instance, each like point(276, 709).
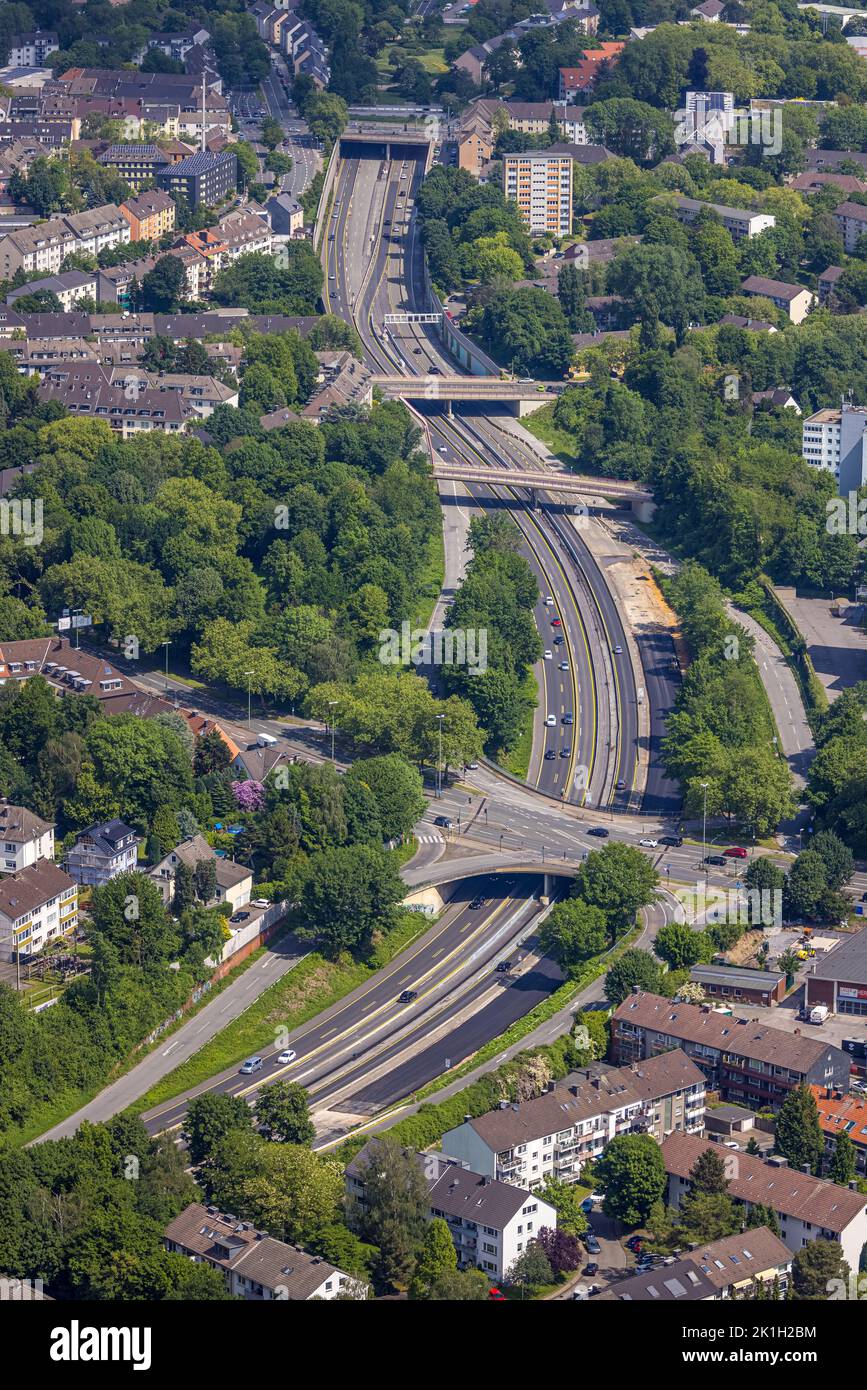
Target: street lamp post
point(248, 674)
point(167, 645)
point(331, 703)
point(704, 787)
point(440, 718)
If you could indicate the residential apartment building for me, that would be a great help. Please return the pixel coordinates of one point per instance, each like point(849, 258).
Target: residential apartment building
point(806, 1208)
point(255, 1266)
point(836, 440)
point(736, 1267)
point(851, 218)
point(46, 245)
point(577, 81)
point(128, 414)
point(490, 1222)
point(534, 118)
point(102, 852)
point(540, 182)
point(31, 50)
point(841, 1113)
point(24, 838)
point(286, 214)
point(150, 215)
point(738, 222)
point(794, 300)
point(37, 904)
point(70, 671)
point(745, 1061)
point(556, 1134)
point(828, 283)
point(70, 288)
point(234, 881)
point(203, 178)
point(137, 165)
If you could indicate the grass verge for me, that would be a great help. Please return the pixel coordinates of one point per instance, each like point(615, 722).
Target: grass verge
point(314, 985)
point(541, 424)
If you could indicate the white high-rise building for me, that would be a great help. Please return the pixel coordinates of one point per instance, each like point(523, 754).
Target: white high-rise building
point(837, 441)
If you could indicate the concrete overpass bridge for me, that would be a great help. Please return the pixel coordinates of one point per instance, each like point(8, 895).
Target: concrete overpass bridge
point(841, 12)
point(410, 145)
point(539, 480)
point(522, 396)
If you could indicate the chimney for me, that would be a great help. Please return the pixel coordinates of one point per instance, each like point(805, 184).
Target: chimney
point(828, 1093)
point(853, 1185)
point(467, 1119)
point(805, 1168)
point(636, 989)
point(551, 1086)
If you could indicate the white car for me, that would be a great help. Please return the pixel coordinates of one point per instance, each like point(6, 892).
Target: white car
point(618, 650)
point(285, 1057)
point(549, 602)
point(443, 449)
point(649, 844)
point(548, 655)
point(564, 665)
point(551, 721)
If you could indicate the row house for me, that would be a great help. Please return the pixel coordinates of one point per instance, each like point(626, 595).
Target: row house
point(573, 1123)
point(254, 1265)
point(746, 1061)
point(740, 223)
point(806, 1208)
point(46, 245)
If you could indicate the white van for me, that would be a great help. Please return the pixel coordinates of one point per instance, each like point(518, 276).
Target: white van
point(266, 740)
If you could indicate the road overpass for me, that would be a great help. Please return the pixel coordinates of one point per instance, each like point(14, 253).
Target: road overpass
point(387, 145)
point(545, 480)
point(522, 396)
point(841, 12)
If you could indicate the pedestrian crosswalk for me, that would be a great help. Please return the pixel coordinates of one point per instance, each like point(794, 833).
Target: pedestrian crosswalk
point(429, 839)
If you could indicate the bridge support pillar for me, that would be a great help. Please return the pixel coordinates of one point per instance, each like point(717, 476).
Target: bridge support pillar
point(534, 499)
point(450, 413)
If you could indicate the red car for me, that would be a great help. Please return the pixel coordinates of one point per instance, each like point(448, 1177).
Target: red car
point(555, 622)
point(736, 852)
point(497, 1295)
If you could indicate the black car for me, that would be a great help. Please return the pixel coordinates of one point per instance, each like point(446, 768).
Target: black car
point(476, 903)
point(443, 821)
point(591, 1268)
point(559, 640)
point(566, 751)
point(676, 840)
point(550, 755)
point(568, 719)
point(407, 996)
point(239, 917)
point(503, 967)
point(599, 831)
point(717, 859)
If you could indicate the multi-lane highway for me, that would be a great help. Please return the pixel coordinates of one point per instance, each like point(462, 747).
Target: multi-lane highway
point(432, 1007)
point(374, 267)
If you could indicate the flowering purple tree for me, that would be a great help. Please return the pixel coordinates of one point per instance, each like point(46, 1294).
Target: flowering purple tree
point(249, 795)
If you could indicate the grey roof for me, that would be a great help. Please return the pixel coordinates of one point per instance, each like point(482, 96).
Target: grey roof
point(237, 1246)
point(742, 1256)
point(460, 1192)
point(847, 962)
point(200, 162)
point(18, 825)
point(107, 836)
point(774, 289)
point(732, 975)
point(681, 1282)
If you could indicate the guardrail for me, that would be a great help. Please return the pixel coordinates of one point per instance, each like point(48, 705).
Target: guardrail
point(320, 222)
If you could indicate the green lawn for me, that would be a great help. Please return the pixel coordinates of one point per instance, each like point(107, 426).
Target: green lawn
point(430, 581)
point(541, 424)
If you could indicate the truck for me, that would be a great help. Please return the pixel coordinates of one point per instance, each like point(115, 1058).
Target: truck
point(819, 1013)
point(266, 740)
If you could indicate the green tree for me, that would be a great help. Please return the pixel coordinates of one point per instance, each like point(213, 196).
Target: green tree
point(573, 932)
point(632, 1171)
point(350, 892)
point(394, 1213)
point(818, 1270)
point(210, 1117)
point(283, 1111)
point(620, 880)
point(163, 288)
point(799, 1133)
point(531, 1268)
point(635, 967)
point(437, 1259)
point(842, 1167)
point(681, 947)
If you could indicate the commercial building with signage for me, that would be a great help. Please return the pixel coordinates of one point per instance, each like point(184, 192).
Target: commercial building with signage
point(840, 980)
